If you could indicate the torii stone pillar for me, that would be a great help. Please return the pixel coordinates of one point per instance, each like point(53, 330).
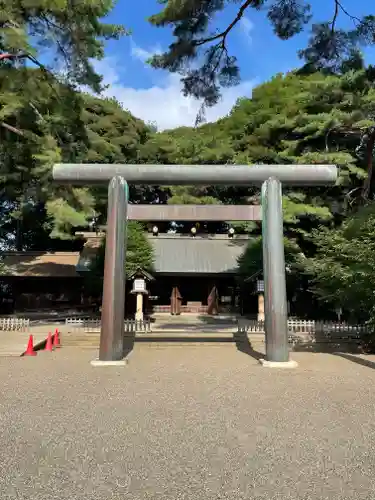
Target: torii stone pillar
point(270, 176)
point(275, 300)
point(111, 350)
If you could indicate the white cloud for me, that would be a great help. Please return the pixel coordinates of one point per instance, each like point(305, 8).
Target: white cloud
point(247, 26)
point(144, 54)
point(164, 104)
point(107, 68)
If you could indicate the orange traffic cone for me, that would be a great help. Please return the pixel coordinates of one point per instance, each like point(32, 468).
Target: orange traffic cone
point(30, 349)
point(49, 346)
point(56, 339)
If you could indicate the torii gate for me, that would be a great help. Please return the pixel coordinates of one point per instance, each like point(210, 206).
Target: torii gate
point(270, 177)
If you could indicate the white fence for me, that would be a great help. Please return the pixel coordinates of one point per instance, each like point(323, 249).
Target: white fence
point(306, 326)
point(14, 324)
point(93, 325)
point(303, 332)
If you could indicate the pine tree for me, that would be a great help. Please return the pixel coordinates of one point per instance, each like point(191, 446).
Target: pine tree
point(57, 124)
point(69, 34)
point(46, 50)
point(139, 253)
point(294, 119)
point(344, 263)
point(200, 50)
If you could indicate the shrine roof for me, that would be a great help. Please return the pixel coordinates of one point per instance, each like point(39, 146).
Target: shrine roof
point(207, 254)
point(173, 254)
point(41, 264)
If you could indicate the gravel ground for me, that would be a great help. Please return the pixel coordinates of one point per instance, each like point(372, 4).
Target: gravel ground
point(186, 423)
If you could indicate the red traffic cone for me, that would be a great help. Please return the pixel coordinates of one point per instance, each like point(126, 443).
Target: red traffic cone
point(49, 346)
point(30, 349)
point(56, 339)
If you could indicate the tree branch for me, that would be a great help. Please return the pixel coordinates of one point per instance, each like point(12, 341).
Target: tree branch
point(353, 18)
point(369, 182)
point(7, 56)
point(339, 6)
point(225, 33)
point(12, 129)
point(57, 27)
point(335, 15)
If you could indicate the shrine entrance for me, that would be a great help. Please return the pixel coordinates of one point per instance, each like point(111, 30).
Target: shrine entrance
point(195, 273)
point(269, 177)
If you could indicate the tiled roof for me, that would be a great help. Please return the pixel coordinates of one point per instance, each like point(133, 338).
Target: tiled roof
point(173, 254)
point(214, 254)
point(41, 264)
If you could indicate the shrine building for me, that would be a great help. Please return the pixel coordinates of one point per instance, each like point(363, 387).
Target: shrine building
point(192, 264)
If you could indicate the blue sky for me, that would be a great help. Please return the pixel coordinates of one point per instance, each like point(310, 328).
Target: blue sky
point(155, 96)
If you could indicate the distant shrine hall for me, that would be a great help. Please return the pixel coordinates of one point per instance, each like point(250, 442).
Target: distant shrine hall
point(192, 273)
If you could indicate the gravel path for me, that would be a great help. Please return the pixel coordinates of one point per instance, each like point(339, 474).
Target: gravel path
point(186, 423)
point(15, 343)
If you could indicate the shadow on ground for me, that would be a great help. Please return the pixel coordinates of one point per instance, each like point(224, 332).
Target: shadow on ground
point(212, 339)
point(351, 351)
point(200, 327)
point(244, 345)
point(219, 320)
point(327, 347)
point(348, 351)
point(355, 359)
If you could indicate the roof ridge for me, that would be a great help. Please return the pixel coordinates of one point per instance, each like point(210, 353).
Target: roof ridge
point(177, 236)
point(39, 252)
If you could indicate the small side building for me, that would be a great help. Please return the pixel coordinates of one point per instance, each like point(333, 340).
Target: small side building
point(41, 280)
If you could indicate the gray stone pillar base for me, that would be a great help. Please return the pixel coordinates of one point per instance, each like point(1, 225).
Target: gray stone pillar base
point(278, 364)
point(98, 362)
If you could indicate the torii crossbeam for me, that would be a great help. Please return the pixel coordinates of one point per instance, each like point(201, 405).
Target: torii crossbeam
point(270, 177)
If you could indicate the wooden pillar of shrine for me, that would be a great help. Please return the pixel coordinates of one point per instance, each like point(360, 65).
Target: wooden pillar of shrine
point(176, 300)
point(260, 307)
point(213, 302)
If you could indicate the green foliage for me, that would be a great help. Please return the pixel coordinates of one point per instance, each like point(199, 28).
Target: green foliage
point(41, 115)
point(251, 261)
point(200, 49)
point(57, 125)
point(139, 251)
point(296, 119)
point(299, 295)
point(191, 195)
point(344, 263)
point(70, 34)
point(308, 119)
point(113, 135)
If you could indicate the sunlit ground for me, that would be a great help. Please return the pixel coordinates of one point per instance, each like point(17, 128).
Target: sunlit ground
point(203, 422)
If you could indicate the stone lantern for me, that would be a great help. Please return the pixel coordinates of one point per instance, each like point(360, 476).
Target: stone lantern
point(260, 293)
point(140, 280)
